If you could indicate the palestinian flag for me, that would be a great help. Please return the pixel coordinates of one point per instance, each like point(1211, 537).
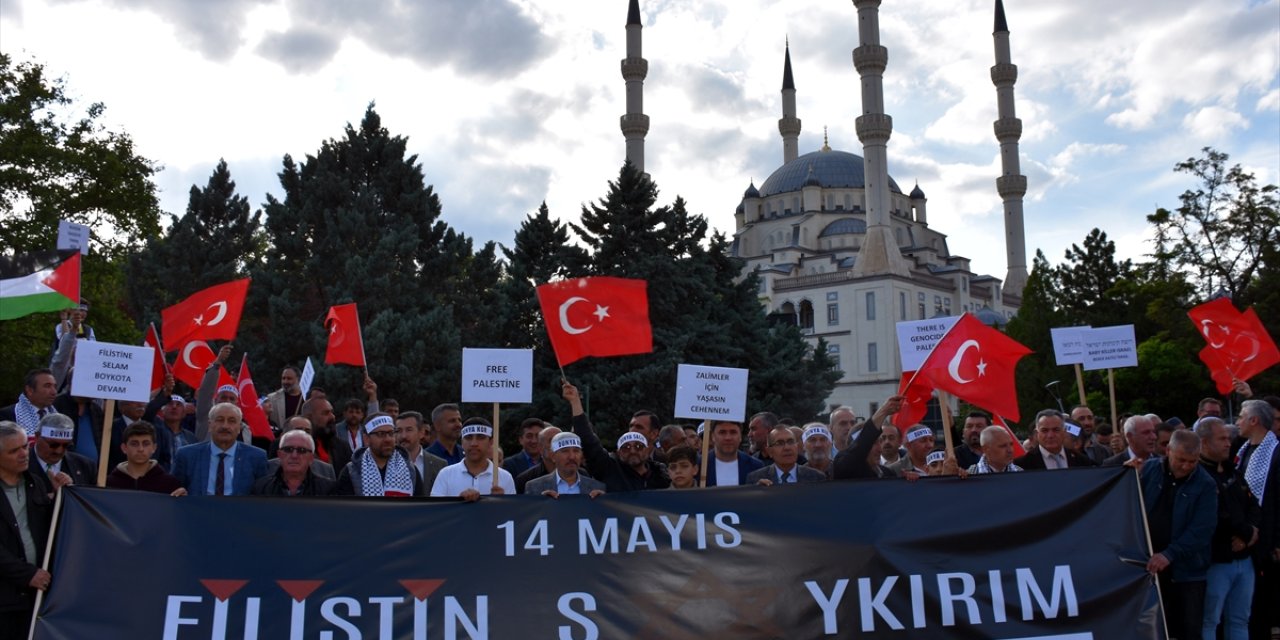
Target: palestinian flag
point(37, 282)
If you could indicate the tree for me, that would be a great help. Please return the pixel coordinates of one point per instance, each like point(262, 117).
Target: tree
point(57, 163)
point(1220, 231)
point(218, 239)
point(359, 224)
point(1085, 283)
point(1039, 314)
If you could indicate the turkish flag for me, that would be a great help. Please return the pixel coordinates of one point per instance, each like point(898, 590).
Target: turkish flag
point(1018, 450)
point(915, 404)
point(1237, 346)
point(976, 364)
point(346, 345)
point(159, 368)
point(598, 316)
point(193, 358)
point(211, 314)
point(254, 416)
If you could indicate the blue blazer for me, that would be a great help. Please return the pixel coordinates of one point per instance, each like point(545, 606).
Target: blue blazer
point(746, 464)
point(191, 468)
point(1195, 516)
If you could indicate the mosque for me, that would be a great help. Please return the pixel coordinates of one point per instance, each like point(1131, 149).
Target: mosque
point(838, 248)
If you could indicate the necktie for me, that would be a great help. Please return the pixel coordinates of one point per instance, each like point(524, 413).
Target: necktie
point(221, 478)
point(786, 477)
point(1059, 461)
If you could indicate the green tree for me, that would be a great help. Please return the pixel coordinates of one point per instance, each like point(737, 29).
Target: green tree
point(359, 224)
point(1039, 314)
point(1223, 226)
point(58, 162)
point(1085, 283)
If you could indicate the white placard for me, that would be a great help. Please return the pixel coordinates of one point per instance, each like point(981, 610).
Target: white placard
point(308, 376)
point(73, 236)
point(112, 371)
point(711, 393)
point(916, 338)
point(497, 375)
point(1067, 347)
point(1109, 348)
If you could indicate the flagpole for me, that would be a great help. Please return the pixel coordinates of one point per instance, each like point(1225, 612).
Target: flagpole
point(1111, 382)
point(706, 441)
point(496, 446)
point(944, 404)
point(48, 555)
point(160, 346)
point(1080, 383)
point(105, 446)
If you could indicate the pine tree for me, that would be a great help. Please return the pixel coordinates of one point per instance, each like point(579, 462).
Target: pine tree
point(1039, 314)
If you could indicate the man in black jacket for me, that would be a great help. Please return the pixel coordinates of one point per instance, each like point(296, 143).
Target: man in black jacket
point(1230, 580)
point(629, 470)
point(26, 512)
point(852, 462)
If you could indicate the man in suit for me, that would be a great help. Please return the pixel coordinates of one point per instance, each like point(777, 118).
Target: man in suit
point(1140, 432)
point(22, 541)
point(530, 452)
point(410, 439)
point(920, 441)
point(50, 450)
point(728, 464)
point(784, 450)
point(1050, 451)
point(1259, 462)
point(223, 466)
point(566, 450)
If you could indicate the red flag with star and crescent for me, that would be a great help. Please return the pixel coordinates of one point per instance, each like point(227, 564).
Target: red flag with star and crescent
point(254, 416)
point(193, 358)
point(1237, 346)
point(599, 316)
point(976, 363)
point(209, 314)
point(346, 345)
point(915, 393)
point(159, 368)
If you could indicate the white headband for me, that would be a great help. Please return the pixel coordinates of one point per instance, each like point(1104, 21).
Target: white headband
point(230, 388)
point(177, 398)
point(565, 441)
point(916, 434)
point(633, 436)
point(378, 423)
point(54, 433)
point(477, 430)
point(935, 456)
point(816, 430)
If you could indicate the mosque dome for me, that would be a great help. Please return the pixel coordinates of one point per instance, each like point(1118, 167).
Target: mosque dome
point(917, 193)
point(832, 169)
point(752, 191)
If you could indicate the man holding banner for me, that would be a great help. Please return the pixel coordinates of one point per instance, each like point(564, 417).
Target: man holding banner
point(631, 469)
point(27, 512)
point(380, 468)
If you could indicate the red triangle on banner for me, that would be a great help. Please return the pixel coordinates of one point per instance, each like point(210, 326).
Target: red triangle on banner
point(223, 589)
point(421, 589)
point(299, 589)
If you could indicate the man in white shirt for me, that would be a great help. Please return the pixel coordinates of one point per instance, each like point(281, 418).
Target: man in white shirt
point(474, 476)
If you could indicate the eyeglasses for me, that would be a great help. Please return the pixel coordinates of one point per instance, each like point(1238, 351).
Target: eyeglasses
point(295, 450)
point(631, 445)
point(56, 445)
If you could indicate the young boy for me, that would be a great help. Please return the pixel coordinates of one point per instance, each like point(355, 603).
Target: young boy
point(682, 466)
point(139, 471)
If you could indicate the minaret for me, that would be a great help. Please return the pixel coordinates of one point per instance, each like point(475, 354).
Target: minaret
point(1011, 185)
point(635, 124)
point(879, 253)
point(789, 124)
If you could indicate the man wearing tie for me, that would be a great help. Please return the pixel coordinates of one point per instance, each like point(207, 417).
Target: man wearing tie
point(784, 450)
point(51, 454)
point(1049, 452)
point(223, 466)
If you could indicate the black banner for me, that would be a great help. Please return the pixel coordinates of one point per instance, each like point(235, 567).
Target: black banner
point(1049, 555)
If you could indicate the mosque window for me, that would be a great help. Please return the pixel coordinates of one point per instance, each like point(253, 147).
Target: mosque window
point(873, 357)
point(831, 201)
point(832, 296)
point(833, 314)
point(902, 305)
point(937, 304)
point(946, 305)
point(848, 201)
point(871, 305)
point(806, 315)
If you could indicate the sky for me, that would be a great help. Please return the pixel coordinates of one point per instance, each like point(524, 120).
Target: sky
point(509, 103)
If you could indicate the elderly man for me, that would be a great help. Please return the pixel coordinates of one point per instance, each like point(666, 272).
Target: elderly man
point(170, 419)
point(410, 425)
point(890, 447)
point(63, 467)
point(566, 449)
point(729, 465)
point(380, 469)
point(1182, 512)
point(1050, 451)
point(817, 447)
point(920, 441)
point(841, 424)
point(997, 452)
point(287, 400)
point(546, 465)
point(1092, 446)
point(531, 452)
point(446, 424)
point(1140, 433)
point(1230, 580)
point(858, 460)
point(318, 467)
point(27, 512)
point(669, 437)
point(294, 474)
point(39, 390)
point(474, 476)
point(784, 449)
point(224, 466)
point(758, 428)
point(1259, 461)
point(630, 470)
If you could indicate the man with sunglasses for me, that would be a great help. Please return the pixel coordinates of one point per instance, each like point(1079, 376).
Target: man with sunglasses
point(294, 475)
point(631, 469)
point(53, 439)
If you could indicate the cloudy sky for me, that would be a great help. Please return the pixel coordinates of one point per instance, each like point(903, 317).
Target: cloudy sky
point(512, 102)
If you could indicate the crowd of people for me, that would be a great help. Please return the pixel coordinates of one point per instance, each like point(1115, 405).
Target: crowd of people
point(1211, 488)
